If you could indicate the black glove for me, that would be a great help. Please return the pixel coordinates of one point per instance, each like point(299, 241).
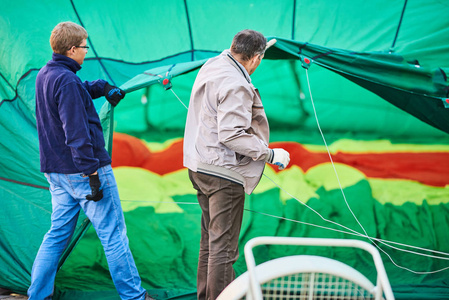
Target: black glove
point(113, 94)
point(95, 184)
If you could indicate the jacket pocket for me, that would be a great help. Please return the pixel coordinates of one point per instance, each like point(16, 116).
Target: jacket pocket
point(242, 160)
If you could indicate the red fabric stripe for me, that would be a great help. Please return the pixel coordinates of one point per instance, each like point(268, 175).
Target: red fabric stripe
point(431, 168)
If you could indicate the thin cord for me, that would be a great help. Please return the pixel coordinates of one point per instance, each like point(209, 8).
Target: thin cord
point(351, 231)
point(303, 203)
point(178, 98)
point(346, 232)
point(347, 204)
point(157, 202)
point(329, 154)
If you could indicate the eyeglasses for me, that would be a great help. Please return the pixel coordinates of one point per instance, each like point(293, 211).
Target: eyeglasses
point(84, 47)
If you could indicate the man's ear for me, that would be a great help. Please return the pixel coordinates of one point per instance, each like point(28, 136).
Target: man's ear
point(69, 52)
point(255, 58)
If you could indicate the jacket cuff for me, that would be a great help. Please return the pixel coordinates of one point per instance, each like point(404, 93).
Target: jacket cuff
point(91, 170)
point(269, 157)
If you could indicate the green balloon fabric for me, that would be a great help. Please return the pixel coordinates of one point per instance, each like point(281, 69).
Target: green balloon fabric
point(375, 87)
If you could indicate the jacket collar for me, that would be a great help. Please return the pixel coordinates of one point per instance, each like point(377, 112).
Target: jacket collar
point(66, 61)
point(227, 54)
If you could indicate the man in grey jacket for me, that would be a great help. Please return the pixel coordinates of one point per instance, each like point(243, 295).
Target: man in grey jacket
point(225, 149)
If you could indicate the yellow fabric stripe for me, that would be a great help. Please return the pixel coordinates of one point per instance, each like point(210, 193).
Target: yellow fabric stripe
point(140, 187)
point(378, 146)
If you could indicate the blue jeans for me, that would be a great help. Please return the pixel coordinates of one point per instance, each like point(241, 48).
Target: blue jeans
point(68, 197)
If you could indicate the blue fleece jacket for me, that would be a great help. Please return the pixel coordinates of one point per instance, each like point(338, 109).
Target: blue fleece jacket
point(69, 129)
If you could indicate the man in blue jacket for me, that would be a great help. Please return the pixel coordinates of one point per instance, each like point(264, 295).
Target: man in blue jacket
point(77, 166)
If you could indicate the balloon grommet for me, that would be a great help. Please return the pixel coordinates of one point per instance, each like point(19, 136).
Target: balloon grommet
point(305, 62)
point(445, 102)
point(166, 83)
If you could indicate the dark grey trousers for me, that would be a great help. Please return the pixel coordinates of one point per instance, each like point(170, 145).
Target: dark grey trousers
point(222, 203)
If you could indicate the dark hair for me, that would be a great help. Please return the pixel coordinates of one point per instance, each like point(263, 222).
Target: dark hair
point(248, 43)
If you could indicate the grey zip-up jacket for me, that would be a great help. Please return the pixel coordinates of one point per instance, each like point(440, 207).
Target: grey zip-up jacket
point(227, 132)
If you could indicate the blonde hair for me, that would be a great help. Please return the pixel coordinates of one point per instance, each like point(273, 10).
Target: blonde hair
point(65, 35)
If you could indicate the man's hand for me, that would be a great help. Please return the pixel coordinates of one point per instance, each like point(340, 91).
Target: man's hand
point(95, 184)
point(113, 94)
point(279, 157)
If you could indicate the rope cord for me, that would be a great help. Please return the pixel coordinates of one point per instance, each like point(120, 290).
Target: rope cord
point(178, 98)
point(353, 232)
point(349, 230)
point(347, 204)
point(399, 26)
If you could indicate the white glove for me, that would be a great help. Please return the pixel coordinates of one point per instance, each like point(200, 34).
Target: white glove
point(278, 157)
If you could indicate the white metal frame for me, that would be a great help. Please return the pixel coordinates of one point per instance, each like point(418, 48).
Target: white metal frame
point(249, 283)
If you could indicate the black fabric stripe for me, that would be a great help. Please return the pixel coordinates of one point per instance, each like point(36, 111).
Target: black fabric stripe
point(322, 54)
point(114, 60)
point(92, 44)
point(24, 183)
point(152, 61)
point(111, 118)
point(190, 30)
point(18, 82)
point(6, 81)
point(399, 26)
point(302, 47)
point(294, 20)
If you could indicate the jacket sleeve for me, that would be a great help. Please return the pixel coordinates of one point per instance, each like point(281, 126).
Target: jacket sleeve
point(234, 117)
point(95, 88)
point(72, 102)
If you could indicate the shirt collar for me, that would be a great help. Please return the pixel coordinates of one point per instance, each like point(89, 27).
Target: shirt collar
point(227, 54)
point(66, 61)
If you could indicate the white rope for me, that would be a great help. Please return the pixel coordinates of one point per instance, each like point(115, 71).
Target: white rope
point(329, 154)
point(178, 98)
point(157, 202)
point(353, 232)
point(347, 232)
point(347, 204)
point(350, 231)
